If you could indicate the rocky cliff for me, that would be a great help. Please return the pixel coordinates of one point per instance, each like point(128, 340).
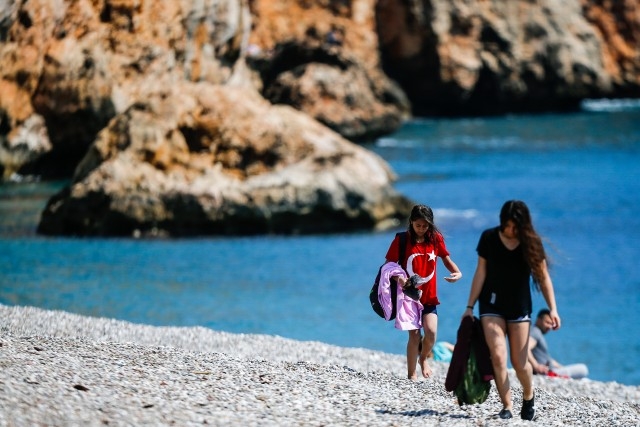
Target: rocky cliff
point(478, 57)
point(236, 116)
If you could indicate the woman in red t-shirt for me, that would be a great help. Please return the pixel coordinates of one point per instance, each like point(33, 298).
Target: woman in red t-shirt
point(424, 245)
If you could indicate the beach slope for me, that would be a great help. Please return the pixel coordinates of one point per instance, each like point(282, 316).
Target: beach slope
point(58, 368)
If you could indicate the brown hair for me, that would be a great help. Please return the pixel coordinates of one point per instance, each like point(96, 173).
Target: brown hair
point(534, 253)
point(426, 213)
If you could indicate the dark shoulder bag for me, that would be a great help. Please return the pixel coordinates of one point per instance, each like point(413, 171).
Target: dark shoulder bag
point(373, 294)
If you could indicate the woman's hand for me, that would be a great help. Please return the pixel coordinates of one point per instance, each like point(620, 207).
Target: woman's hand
point(467, 312)
point(453, 277)
point(401, 281)
point(555, 318)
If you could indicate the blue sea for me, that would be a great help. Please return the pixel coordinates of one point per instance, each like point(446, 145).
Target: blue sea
point(579, 173)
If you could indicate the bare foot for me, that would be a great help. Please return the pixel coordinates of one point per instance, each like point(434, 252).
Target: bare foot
point(426, 369)
point(413, 377)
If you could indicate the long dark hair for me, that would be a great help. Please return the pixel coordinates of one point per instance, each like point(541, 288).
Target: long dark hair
point(426, 213)
point(518, 212)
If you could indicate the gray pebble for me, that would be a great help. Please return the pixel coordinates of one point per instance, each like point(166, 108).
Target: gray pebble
point(58, 368)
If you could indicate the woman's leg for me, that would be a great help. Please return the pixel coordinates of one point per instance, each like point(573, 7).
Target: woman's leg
point(430, 325)
point(519, 347)
point(495, 333)
point(412, 353)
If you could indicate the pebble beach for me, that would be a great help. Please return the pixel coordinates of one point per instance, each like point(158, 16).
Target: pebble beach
point(62, 369)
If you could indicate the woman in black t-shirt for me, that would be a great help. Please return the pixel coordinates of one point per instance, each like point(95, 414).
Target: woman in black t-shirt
point(508, 257)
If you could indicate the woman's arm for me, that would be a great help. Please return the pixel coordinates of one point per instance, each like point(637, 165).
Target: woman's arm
point(453, 268)
point(476, 285)
point(401, 280)
point(546, 287)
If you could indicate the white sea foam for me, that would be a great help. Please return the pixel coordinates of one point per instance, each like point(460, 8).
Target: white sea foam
point(394, 142)
point(456, 214)
point(610, 105)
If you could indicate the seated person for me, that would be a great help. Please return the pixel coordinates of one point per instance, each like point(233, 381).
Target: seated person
point(539, 356)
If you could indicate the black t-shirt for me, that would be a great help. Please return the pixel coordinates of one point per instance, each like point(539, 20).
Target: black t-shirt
point(507, 283)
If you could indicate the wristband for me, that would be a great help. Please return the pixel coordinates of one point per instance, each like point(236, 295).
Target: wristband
point(470, 306)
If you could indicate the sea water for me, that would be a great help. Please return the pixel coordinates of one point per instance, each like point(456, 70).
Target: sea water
point(579, 173)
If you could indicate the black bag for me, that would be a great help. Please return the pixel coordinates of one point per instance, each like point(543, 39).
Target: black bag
point(373, 294)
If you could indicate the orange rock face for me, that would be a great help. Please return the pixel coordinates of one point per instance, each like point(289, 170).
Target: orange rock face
point(493, 57)
point(617, 24)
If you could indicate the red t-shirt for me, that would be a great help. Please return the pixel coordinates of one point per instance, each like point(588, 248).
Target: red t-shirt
point(423, 259)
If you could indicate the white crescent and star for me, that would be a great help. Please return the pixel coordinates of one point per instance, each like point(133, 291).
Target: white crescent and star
point(432, 257)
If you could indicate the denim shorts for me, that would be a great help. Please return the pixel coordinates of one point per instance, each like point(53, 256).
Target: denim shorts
point(428, 309)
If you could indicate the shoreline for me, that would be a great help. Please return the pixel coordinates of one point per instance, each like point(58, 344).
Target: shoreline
point(60, 368)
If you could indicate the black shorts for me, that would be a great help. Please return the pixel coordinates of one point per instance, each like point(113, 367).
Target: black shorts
point(490, 310)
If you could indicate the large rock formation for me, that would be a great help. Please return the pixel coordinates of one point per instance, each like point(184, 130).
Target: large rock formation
point(617, 26)
point(76, 64)
point(221, 160)
point(23, 134)
point(132, 95)
point(487, 57)
point(322, 58)
point(180, 142)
